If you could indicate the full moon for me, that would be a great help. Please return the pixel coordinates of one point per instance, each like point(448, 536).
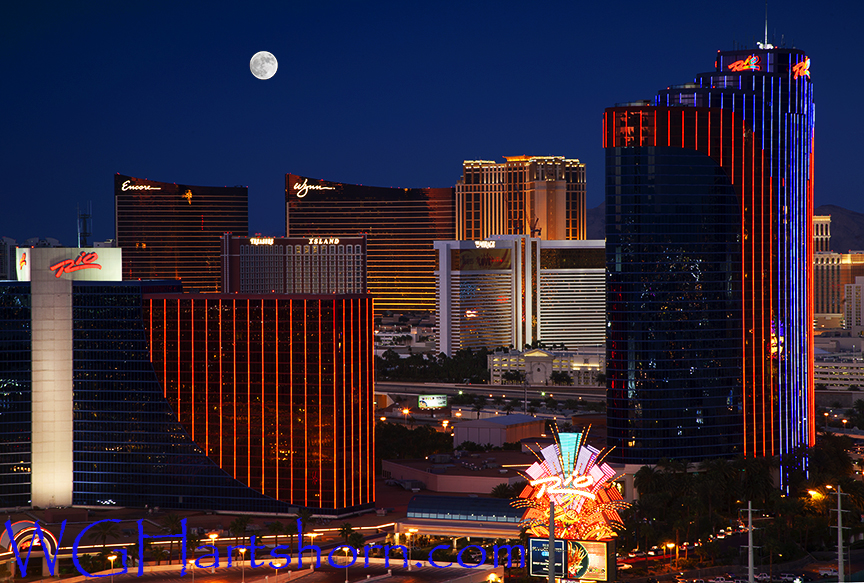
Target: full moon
point(263, 65)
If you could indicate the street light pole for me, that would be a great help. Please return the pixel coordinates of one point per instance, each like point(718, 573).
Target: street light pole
point(213, 536)
point(841, 570)
point(192, 566)
point(112, 558)
point(242, 564)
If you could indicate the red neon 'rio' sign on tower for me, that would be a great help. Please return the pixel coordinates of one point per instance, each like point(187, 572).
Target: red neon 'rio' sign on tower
point(802, 69)
point(751, 63)
point(83, 261)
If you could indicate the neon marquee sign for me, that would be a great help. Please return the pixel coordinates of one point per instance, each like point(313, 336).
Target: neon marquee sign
point(83, 261)
point(802, 69)
point(303, 189)
point(261, 240)
point(751, 63)
point(320, 241)
point(573, 475)
point(484, 244)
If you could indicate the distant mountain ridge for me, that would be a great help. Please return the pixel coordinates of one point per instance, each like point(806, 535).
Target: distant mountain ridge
point(847, 227)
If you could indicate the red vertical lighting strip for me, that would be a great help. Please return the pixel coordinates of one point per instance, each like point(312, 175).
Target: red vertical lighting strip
point(770, 273)
point(605, 115)
point(336, 487)
point(263, 389)
point(811, 395)
point(669, 127)
point(290, 408)
point(179, 358)
point(248, 389)
point(305, 406)
point(234, 384)
point(192, 358)
point(320, 354)
point(682, 128)
point(370, 395)
point(277, 408)
point(654, 116)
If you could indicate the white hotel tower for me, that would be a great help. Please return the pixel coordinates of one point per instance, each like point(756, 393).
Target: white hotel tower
point(515, 290)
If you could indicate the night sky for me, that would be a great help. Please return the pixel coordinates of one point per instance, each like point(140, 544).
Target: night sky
point(378, 93)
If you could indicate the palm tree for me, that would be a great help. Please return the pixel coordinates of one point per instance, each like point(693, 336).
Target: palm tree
point(276, 528)
point(502, 490)
point(158, 554)
point(345, 530)
point(290, 530)
point(305, 516)
point(103, 531)
point(172, 524)
point(356, 540)
point(238, 528)
point(646, 480)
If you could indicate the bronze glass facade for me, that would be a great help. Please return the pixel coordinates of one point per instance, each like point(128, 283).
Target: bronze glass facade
point(172, 231)
point(276, 389)
point(400, 225)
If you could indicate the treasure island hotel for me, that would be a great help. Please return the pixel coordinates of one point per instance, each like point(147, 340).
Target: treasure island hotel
point(709, 246)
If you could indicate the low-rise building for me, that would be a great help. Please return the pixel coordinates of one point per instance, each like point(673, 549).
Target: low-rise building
point(536, 365)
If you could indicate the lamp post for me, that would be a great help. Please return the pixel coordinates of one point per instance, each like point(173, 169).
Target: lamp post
point(213, 536)
point(112, 558)
point(346, 564)
point(242, 563)
point(192, 566)
point(844, 425)
point(826, 420)
point(670, 546)
point(410, 545)
point(405, 415)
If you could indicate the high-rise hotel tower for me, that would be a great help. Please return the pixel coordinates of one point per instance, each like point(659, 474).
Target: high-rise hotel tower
point(709, 246)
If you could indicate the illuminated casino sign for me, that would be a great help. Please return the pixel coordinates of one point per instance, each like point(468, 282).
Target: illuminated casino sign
point(323, 241)
point(83, 261)
point(802, 69)
point(25, 537)
point(102, 264)
point(751, 63)
point(261, 240)
point(127, 185)
point(303, 189)
point(571, 474)
point(484, 244)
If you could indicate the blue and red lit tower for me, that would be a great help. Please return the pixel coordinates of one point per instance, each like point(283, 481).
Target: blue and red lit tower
point(709, 207)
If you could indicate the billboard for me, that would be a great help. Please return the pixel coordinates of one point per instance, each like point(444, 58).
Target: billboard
point(586, 560)
point(431, 401)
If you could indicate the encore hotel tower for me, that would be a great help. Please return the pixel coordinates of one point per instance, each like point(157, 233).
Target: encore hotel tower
point(173, 231)
point(709, 208)
point(400, 225)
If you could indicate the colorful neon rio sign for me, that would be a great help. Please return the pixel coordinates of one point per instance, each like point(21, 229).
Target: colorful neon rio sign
point(571, 474)
point(802, 69)
point(751, 63)
point(84, 260)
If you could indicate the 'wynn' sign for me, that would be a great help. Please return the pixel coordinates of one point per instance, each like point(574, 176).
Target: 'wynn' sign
point(303, 189)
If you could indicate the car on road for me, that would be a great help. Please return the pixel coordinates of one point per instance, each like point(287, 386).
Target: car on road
point(828, 572)
point(763, 578)
point(788, 577)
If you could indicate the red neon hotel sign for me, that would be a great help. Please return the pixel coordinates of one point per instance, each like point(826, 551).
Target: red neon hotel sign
point(751, 63)
point(83, 261)
point(802, 69)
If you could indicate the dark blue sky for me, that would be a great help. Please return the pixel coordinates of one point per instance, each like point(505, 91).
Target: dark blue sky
point(380, 93)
